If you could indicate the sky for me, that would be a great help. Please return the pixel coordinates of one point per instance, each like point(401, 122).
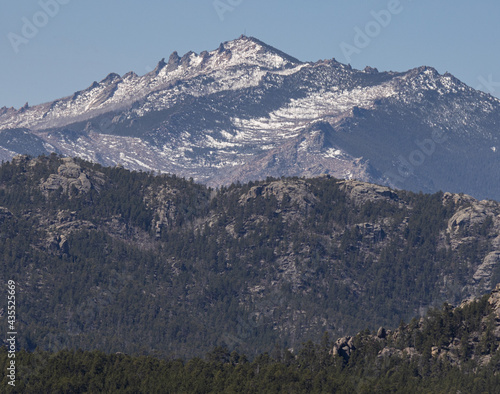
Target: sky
point(51, 48)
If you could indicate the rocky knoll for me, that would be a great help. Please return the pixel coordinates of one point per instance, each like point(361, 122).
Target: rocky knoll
point(70, 176)
point(361, 192)
point(469, 332)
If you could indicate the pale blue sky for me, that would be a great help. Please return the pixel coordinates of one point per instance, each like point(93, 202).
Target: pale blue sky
point(83, 41)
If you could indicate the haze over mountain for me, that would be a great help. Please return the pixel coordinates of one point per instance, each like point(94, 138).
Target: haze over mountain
point(246, 111)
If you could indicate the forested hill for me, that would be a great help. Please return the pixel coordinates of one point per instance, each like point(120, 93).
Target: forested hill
point(113, 260)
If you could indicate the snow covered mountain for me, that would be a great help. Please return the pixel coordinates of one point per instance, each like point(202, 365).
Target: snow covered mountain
point(246, 111)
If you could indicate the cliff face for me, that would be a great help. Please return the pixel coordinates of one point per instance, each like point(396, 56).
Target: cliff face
point(116, 260)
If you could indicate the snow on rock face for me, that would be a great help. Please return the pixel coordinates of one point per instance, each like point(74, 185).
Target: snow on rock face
point(333, 103)
point(237, 64)
point(234, 65)
point(246, 110)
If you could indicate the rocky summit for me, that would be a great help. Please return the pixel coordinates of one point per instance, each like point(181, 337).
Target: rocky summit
point(246, 110)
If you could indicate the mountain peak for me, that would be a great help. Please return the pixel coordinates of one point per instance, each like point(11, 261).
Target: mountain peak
point(251, 47)
point(112, 77)
point(243, 51)
point(161, 64)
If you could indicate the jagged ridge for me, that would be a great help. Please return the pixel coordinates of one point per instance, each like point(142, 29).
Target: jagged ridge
point(246, 111)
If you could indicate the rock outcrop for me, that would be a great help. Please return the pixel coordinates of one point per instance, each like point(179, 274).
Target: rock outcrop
point(360, 192)
point(70, 177)
point(473, 222)
point(62, 226)
point(478, 345)
point(344, 347)
point(296, 192)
